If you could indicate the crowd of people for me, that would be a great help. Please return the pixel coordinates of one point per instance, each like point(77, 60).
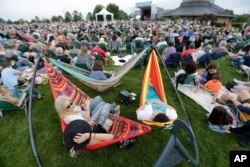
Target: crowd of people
point(91, 44)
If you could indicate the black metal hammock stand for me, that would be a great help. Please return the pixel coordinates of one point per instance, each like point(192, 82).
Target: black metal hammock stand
point(174, 150)
point(32, 140)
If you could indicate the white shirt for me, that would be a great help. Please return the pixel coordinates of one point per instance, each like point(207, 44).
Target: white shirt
point(147, 113)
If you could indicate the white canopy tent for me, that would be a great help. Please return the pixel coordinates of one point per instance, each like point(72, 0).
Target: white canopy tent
point(104, 13)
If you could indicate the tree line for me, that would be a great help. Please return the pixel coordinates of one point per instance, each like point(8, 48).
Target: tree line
point(75, 16)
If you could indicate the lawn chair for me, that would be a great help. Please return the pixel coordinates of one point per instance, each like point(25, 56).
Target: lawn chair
point(83, 66)
point(98, 57)
point(76, 44)
point(23, 48)
point(103, 46)
point(162, 48)
point(138, 45)
point(6, 106)
point(51, 54)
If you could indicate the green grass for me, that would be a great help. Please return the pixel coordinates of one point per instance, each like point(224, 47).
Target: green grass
point(15, 149)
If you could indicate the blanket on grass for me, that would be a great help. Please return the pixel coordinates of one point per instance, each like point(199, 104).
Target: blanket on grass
point(203, 98)
point(120, 60)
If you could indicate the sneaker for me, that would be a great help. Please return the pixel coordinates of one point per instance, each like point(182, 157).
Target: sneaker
point(117, 110)
point(39, 96)
point(239, 82)
point(22, 99)
point(1, 114)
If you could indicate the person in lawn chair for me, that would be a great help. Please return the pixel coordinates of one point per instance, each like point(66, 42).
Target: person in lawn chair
point(11, 82)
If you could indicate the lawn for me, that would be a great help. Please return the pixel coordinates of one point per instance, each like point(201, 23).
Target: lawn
point(214, 148)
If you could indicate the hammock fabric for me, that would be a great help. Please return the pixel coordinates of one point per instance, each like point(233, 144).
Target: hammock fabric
point(122, 128)
point(99, 85)
point(153, 75)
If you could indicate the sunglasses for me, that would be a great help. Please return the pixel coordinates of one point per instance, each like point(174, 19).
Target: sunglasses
point(69, 105)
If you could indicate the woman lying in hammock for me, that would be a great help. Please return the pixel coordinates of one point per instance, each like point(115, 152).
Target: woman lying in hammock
point(156, 110)
point(94, 117)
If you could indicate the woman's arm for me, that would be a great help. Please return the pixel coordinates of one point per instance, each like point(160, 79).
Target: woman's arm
point(86, 107)
point(244, 109)
point(94, 137)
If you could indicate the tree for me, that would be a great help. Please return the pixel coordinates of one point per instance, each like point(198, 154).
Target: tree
point(97, 9)
point(45, 20)
point(89, 16)
point(37, 19)
point(241, 18)
point(56, 18)
point(230, 11)
point(9, 22)
point(113, 8)
point(123, 15)
point(2, 20)
point(68, 17)
point(77, 16)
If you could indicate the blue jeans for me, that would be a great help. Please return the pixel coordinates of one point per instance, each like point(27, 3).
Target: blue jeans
point(102, 114)
point(99, 110)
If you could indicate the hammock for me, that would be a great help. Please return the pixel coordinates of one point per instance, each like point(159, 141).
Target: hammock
point(122, 128)
point(99, 85)
point(153, 75)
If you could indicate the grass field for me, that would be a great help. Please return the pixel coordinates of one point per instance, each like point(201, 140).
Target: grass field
point(15, 148)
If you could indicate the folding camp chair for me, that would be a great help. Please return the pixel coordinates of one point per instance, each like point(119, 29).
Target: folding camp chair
point(83, 66)
point(138, 45)
point(161, 48)
point(103, 46)
point(76, 44)
point(51, 54)
point(6, 106)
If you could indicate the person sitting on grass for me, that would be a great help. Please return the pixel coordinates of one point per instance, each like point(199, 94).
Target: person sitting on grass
point(97, 71)
point(190, 71)
point(204, 77)
point(156, 110)
point(214, 86)
point(242, 103)
point(219, 120)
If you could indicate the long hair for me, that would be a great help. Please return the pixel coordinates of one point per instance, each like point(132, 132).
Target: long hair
point(219, 116)
point(61, 104)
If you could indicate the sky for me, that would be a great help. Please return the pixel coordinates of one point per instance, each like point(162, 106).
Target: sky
point(28, 9)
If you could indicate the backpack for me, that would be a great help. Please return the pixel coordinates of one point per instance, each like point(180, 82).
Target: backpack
point(180, 79)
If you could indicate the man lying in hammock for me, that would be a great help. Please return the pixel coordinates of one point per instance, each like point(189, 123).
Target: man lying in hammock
point(157, 111)
point(94, 122)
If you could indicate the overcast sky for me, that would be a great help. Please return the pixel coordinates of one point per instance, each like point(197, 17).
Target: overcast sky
point(28, 9)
